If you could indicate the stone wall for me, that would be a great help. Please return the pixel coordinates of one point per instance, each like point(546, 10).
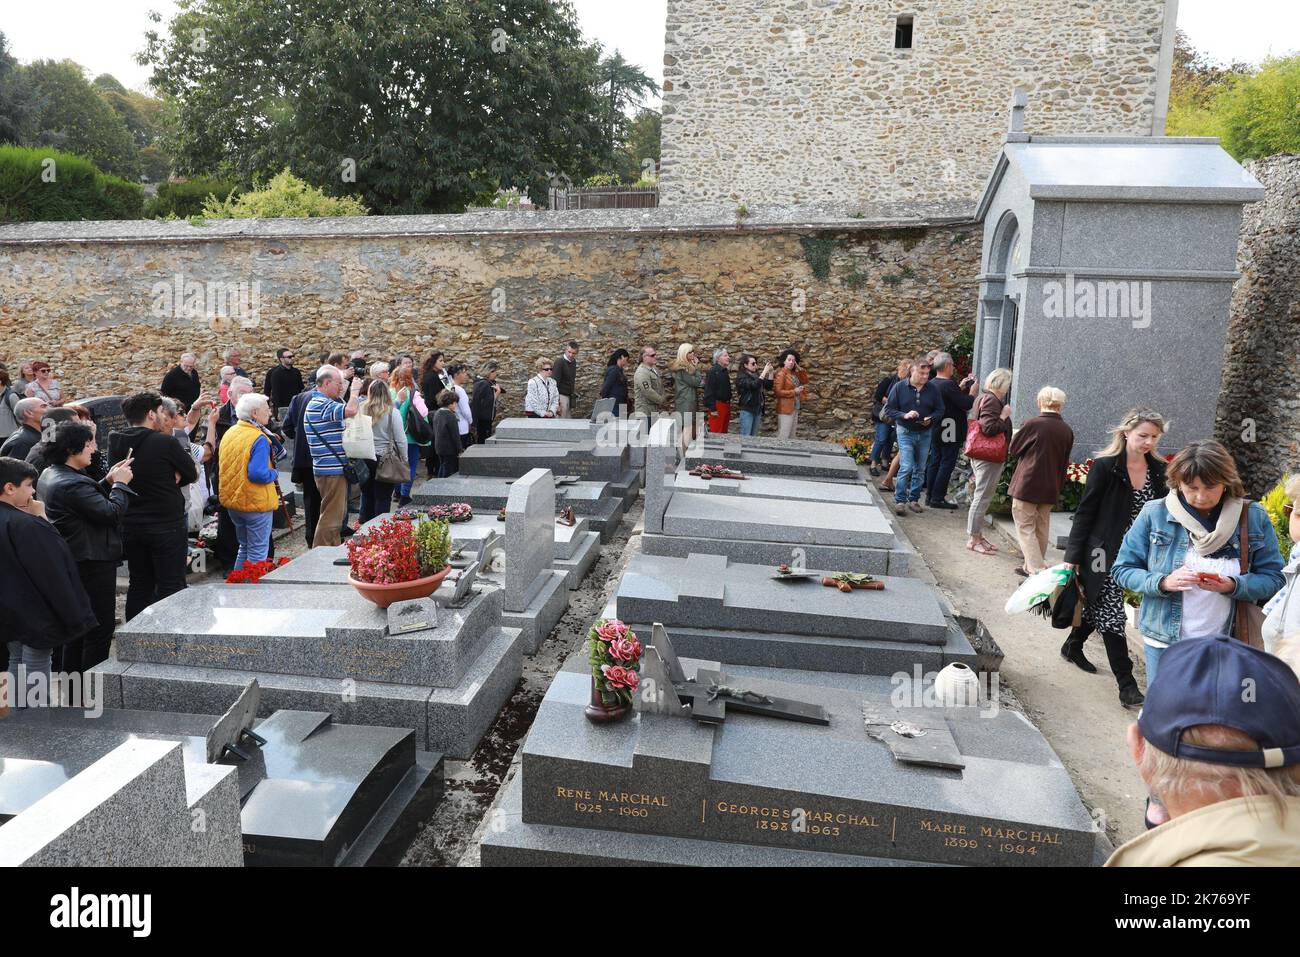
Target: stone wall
point(851, 294)
point(1259, 408)
point(788, 101)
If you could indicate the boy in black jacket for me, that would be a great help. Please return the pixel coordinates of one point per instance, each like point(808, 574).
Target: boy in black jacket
point(155, 540)
point(42, 602)
point(446, 434)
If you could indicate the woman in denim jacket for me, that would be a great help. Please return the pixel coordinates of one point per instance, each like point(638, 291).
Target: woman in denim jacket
point(1182, 553)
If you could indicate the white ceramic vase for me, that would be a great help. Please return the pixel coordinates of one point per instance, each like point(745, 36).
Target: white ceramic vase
point(957, 686)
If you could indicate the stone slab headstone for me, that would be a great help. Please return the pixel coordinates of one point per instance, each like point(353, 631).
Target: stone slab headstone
point(530, 538)
point(603, 409)
point(660, 468)
point(106, 412)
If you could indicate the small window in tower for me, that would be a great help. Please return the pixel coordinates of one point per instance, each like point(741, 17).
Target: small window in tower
point(903, 34)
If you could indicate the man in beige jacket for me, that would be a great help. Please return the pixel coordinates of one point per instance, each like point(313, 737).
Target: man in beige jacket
point(648, 395)
point(1218, 742)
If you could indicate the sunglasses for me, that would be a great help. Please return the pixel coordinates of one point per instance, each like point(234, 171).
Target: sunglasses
point(546, 368)
point(1287, 509)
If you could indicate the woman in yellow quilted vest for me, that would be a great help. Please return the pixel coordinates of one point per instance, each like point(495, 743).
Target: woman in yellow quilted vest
point(248, 478)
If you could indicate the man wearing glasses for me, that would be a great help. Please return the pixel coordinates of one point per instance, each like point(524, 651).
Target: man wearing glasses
point(648, 398)
point(565, 373)
point(283, 381)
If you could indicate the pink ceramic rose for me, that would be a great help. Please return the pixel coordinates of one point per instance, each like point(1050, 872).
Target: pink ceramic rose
point(611, 630)
point(619, 677)
point(625, 649)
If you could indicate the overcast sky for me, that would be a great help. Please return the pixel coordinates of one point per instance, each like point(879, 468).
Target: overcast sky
point(105, 35)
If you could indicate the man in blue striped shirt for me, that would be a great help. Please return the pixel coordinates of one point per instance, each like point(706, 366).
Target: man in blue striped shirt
point(322, 426)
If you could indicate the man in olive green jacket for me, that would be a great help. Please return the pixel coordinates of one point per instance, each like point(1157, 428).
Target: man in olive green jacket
point(648, 398)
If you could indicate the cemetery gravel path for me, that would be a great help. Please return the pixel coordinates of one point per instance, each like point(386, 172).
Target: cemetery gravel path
point(1078, 713)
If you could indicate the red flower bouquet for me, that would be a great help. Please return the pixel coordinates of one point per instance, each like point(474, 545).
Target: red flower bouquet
point(614, 653)
point(253, 572)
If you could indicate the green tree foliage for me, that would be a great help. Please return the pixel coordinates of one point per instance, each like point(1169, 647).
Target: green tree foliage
point(1254, 110)
point(44, 184)
point(435, 103)
point(18, 100)
point(74, 117)
point(186, 198)
point(623, 86)
point(284, 196)
point(639, 157)
point(1260, 114)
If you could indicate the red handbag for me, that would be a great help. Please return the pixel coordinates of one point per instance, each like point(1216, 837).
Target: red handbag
point(984, 448)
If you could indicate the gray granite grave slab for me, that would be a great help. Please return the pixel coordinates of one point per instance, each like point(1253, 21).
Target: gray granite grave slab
point(603, 408)
point(310, 792)
point(450, 721)
point(794, 463)
point(875, 561)
point(322, 631)
point(804, 787)
point(766, 486)
point(587, 460)
point(133, 807)
point(598, 501)
point(773, 520)
point(711, 591)
point(510, 842)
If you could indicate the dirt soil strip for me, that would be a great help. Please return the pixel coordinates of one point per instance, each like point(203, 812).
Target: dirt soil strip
point(452, 836)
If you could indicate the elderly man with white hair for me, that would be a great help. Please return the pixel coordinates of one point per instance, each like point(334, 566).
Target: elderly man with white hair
point(248, 478)
point(226, 548)
point(182, 382)
point(29, 413)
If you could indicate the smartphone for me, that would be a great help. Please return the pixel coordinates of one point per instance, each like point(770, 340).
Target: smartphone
point(1210, 577)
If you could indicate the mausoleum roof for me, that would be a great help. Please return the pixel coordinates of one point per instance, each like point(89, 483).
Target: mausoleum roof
point(1125, 169)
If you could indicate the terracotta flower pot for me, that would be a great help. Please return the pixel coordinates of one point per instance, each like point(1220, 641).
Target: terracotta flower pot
point(385, 595)
point(600, 712)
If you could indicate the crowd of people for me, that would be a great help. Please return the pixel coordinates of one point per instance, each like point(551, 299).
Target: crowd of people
point(1178, 534)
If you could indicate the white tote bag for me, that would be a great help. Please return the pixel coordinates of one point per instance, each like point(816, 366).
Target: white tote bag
point(359, 438)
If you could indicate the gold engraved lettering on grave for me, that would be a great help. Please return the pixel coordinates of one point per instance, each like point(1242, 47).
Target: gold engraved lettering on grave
point(797, 820)
point(1022, 834)
point(365, 662)
point(633, 797)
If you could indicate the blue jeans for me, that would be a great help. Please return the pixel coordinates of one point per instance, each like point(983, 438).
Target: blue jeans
point(253, 529)
point(25, 662)
point(882, 450)
point(749, 422)
point(413, 455)
point(913, 447)
point(1153, 654)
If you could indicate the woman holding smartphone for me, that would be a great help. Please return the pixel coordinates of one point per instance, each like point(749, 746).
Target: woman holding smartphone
point(1182, 554)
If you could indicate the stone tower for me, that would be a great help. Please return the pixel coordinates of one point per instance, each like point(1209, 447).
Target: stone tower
point(799, 101)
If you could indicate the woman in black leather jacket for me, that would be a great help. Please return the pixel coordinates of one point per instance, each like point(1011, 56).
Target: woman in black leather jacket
point(88, 514)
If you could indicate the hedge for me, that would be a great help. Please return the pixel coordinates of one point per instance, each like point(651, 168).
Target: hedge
point(186, 199)
point(73, 189)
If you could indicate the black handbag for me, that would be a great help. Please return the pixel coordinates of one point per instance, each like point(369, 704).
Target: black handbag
point(418, 429)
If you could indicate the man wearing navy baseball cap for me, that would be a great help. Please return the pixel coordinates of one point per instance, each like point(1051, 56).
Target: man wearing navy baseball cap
point(1218, 742)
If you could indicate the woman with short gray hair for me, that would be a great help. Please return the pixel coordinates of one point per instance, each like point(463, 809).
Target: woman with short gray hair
point(249, 490)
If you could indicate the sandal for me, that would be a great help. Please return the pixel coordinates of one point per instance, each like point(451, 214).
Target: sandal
point(989, 545)
point(980, 547)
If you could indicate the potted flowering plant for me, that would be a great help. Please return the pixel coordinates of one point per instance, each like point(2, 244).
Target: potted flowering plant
point(614, 653)
point(455, 512)
point(399, 560)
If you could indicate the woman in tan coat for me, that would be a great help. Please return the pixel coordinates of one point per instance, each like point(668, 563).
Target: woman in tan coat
point(790, 391)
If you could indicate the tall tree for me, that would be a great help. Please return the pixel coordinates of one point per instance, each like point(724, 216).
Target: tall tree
point(74, 117)
point(623, 87)
point(414, 105)
point(19, 102)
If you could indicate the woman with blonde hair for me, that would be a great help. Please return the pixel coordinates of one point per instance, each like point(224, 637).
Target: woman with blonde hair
point(1124, 476)
point(401, 387)
point(992, 418)
point(386, 424)
point(686, 380)
point(542, 395)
